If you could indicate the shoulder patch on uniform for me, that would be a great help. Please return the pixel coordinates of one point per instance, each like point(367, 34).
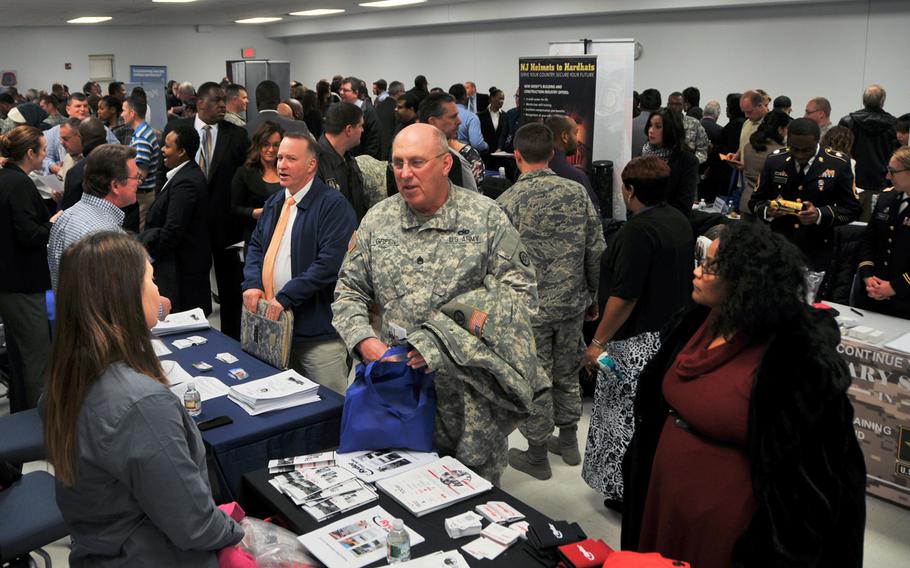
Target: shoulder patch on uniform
point(352, 244)
point(509, 244)
point(836, 154)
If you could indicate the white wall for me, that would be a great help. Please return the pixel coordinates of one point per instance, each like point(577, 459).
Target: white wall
point(801, 51)
point(39, 53)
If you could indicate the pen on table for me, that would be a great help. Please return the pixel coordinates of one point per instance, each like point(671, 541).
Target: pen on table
point(857, 312)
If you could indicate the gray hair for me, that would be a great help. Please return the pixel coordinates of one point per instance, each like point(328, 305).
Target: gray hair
point(874, 97)
point(712, 109)
point(186, 88)
point(395, 87)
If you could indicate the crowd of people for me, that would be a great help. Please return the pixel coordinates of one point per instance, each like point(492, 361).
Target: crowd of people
point(366, 217)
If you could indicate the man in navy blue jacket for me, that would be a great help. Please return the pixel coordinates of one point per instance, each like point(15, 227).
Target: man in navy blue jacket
point(293, 260)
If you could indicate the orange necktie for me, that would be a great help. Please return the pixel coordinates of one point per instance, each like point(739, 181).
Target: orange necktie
point(268, 266)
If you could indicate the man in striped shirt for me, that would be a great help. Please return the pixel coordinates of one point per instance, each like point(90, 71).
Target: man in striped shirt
point(147, 152)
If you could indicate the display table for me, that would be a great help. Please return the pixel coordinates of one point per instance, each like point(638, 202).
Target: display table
point(259, 499)
point(248, 443)
point(881, 402)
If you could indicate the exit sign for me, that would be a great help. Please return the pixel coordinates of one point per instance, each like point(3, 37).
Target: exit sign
point(247, 52)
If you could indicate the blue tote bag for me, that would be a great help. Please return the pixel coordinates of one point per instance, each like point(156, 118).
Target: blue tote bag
point(389, 405)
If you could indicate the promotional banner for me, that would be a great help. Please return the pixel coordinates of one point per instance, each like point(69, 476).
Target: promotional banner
point(156, 95)
point(561, 85)
point(881, 404)
point(148, 74)
point(612, 126)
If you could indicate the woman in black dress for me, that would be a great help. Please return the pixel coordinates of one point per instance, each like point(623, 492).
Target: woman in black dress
point(666, 140)
point(257, 179)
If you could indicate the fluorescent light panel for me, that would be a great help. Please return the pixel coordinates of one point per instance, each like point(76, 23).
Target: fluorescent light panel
point(256, 20)
point(390, 3)
point(173, 1)
point(318, 12)
point(89, 20)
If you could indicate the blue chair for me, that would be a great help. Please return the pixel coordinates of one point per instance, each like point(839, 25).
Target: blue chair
point(30, 516)
point(22, 437)
point(28, 508)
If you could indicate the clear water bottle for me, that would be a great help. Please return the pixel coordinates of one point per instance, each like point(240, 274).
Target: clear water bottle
point(398, 543)
point(192, 400)
point(502, 171)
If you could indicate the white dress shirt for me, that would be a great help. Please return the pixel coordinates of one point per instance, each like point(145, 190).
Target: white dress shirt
point(283, 272)
point(171, 173)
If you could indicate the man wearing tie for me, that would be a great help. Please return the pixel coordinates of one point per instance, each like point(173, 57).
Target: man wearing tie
point(819, 181)
point(222, 149)
point(293, 259)
point(477, 102)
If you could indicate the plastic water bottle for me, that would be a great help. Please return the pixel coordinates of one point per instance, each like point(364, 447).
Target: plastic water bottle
point(192, 400)
point(502, 171)
point(398, 543)
point(702, 205)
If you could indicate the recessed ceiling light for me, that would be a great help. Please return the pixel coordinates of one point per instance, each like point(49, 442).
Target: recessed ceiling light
point(390, 3)
point(256, 20)
point(318, 12)
point(89, 20)
point(173, 1)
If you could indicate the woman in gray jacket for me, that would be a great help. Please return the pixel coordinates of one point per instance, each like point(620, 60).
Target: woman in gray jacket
point(130, 464)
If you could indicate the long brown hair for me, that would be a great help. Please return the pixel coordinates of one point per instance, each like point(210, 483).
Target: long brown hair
point(261, 136)
point(100, 321)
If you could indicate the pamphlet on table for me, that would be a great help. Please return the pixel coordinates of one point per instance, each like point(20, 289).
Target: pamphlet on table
point(373, 465)
point(181, 322)
point(282, 390)
point(434, 486)
point(284, 465)
point(354, 541)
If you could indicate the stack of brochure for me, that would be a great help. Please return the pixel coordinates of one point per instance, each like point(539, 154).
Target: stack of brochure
point(283, 390)
point(284, 465)
point(434, 486)
point(181, 322)
point(324, 491)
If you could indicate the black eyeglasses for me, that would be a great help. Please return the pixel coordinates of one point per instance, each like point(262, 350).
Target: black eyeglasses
point(138, 177)
point(709, 266)
point(892, 171)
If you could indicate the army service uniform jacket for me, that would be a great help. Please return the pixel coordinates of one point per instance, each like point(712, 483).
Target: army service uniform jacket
point(827, 184)
point(885, 253)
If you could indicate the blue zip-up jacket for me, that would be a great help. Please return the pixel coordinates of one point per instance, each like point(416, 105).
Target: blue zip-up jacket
point(320, 235)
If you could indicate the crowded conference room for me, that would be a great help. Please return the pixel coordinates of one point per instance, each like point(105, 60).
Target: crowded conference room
point(451, 283)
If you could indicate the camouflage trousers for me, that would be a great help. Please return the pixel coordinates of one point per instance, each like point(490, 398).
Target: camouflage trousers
point(560, 350)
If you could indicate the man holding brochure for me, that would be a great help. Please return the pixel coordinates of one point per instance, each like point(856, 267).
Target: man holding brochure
point(293, 260)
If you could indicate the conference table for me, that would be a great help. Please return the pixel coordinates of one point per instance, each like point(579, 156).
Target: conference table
point(250, 441)
point(260, 499)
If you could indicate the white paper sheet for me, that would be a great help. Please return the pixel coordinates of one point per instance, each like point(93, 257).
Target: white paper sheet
point(174, 372)
point(902, 343)
point(160, 348)
point(208, 387)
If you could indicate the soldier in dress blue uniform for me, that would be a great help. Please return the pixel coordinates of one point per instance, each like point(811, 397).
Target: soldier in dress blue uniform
point(819, 180)
point(884, 258)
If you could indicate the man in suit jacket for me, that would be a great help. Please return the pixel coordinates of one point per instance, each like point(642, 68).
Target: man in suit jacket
point(385, 111)
point(268, 95)
point(477, 102)
point(371, 141)
point(176, 227)
point(222, 149)
point(294, 257)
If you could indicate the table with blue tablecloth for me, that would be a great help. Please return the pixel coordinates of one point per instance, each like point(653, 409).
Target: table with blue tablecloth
point(248, 443)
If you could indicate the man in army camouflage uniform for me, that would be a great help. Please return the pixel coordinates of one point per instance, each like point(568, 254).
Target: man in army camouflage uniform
point(417, 250)
point(561, 230)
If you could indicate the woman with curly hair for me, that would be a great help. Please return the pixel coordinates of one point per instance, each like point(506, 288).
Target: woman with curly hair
point(744, 452)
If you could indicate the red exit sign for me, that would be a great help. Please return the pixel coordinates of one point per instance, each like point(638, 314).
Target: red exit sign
point(247, 52)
